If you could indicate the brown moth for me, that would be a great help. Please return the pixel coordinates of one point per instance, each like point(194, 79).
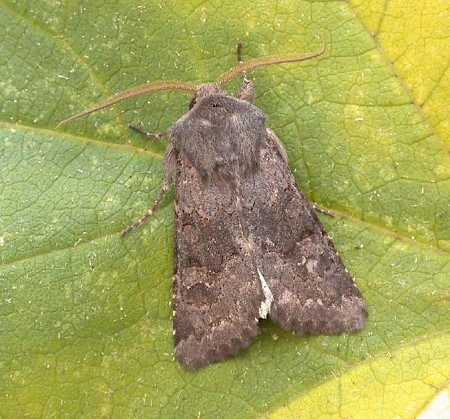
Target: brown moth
point(247, 242)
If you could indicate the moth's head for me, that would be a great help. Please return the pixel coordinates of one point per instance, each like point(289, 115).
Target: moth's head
point(205, 90)
point(208, 89)
point(201, 90)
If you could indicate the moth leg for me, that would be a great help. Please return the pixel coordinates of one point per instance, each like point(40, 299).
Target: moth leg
point(247, 92)
point(240, 45)
point(146, 134)
point(319, 208)
point(272, 138)
point(169, 170)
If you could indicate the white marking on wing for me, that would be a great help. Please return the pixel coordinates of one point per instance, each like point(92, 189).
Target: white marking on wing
point(264, 308)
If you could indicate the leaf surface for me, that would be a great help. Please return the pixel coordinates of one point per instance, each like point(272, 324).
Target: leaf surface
point(85, 316)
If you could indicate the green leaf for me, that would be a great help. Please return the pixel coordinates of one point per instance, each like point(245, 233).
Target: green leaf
point(85, 316)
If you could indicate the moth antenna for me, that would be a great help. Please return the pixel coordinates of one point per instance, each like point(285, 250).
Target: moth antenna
point(265, 61)
point(133, 92)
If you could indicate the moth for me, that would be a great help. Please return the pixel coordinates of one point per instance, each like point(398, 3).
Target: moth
point(247, 242)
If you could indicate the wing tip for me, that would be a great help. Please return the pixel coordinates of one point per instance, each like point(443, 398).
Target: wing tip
point(194, 353)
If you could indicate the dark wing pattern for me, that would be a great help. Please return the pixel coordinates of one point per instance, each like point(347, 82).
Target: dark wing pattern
point(313, 292)
point(247, 242)
point(217, 293)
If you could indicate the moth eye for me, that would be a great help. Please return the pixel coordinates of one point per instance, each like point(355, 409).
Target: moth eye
point(193, 102)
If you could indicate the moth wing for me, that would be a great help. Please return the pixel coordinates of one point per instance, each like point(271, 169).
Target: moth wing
point(217, 293)
point(312, 291)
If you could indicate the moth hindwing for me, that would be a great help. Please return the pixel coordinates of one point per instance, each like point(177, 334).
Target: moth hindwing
point(247, 242)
